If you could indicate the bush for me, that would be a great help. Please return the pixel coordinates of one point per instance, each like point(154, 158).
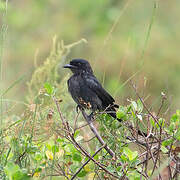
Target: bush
point(49, 139)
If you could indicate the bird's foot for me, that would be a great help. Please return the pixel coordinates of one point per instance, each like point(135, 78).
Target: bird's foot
point(91, 116)
point(79, 107)
point(116, 106)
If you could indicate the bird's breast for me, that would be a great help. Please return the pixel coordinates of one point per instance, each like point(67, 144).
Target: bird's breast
point(74, 82)
point(82, 94)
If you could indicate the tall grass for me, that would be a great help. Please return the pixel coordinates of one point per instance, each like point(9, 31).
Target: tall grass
point(3, 33)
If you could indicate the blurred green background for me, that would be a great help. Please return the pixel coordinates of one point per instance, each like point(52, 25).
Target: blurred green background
point(114, 48)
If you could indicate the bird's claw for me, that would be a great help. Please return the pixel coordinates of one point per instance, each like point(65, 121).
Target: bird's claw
point(78, 107)
point(91, 116)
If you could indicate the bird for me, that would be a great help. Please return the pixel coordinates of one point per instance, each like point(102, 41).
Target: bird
point(87, 91)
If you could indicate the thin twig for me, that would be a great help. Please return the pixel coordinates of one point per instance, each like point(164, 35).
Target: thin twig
point(59, 111)
point(87, 161)
point(142, 101)
point(75, 122)
point(89, 156)
point(85, 141)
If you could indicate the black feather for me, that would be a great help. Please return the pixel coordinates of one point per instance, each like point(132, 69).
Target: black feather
point(86, 90)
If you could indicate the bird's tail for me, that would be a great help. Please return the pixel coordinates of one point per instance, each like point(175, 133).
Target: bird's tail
point(112, 112)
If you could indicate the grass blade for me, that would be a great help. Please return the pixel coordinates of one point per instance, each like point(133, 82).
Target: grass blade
point(12, 85)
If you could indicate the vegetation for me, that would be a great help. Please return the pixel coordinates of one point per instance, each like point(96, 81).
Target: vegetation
point(45, 138)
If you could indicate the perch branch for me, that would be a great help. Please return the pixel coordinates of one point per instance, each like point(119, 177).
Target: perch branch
point(94, 130)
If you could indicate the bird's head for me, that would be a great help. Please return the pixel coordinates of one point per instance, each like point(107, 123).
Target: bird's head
point(79, 66)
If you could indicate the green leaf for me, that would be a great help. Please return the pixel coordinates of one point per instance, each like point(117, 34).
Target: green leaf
point(76, 133)
point(124, 158)
point(55, 148)
point(161, 121)
point(110, 169)
point(177, 135)
point(115, 124)
point(49, 89)
point(15, 173)
point(20, 175)
point(167, 142)
point(133, 175)
point(172, 126)
point(164, 149)
point(70, 149)
point(59, 140)
point(77, 157)
point(39, 169)
point(11, 168)
point(82, 173)
point(174, 118)
point(38, 156)
point(121, 113)
point(152, 122)
point(130, 154)
point(140, 106)
point(134, 105)
point(118, 168)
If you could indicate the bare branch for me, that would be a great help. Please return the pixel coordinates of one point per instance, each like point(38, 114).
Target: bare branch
point(94, 130)
point(87, 161)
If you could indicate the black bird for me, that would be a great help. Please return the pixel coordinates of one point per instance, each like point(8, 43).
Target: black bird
point(86, 90)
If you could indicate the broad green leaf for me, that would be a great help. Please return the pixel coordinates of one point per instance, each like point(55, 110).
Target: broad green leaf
point(49, 89)
point(70, 149)
point(14, 172)
point(76, 133)
point(11, 168)
point(38, 156)
point(111, 169)
point(115, 124)
point(130, 154)
point(121, 113)
point(164, 149)
point(177, 135)
point(55, 148)
point(152, 122)
point(139, 106)
point(82, 173)
point(87, 168)
point(134, 105)
point(123, 157)
point(167, 142)
point(161, 121)
point(77, 157)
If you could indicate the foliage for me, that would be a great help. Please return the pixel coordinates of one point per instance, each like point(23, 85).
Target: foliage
point(49, 140)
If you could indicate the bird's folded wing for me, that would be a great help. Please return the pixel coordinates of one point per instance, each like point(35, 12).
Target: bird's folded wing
point(95, 86)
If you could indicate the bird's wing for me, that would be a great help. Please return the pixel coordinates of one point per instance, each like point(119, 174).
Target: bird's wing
point(95, 86)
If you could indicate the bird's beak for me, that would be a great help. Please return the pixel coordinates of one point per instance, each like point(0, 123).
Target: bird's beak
point(69, 66)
